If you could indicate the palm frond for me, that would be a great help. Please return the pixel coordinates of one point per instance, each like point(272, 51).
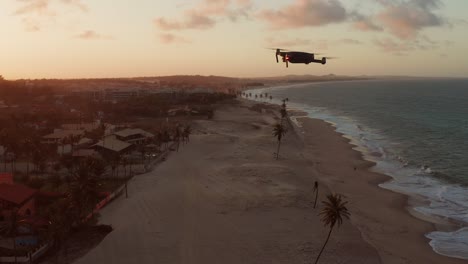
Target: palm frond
point(279, 131)
point(334, 210)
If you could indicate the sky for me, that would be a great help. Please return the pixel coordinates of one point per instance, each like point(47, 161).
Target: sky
point(124, 38)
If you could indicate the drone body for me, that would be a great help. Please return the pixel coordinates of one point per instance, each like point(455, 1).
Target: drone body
point(298, 57)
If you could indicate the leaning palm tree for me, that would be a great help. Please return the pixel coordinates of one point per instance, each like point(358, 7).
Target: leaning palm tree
point(279, 131)
point(332, 214)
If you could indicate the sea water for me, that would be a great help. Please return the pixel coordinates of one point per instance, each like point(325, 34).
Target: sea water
point(415, 130)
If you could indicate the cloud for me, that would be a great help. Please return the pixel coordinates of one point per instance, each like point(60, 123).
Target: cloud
point(43, 7)
point(305, 13)
point(92, 35)
point(405, 19)
point(364, 23)
point(403, 47)
point(40, 7)
point(168, 38)
point(313, 44)
point(77, 3)
point(390, 46)
point(206, 14)
point(34, 13)
point(193, 21)
point(31, 25)
point(350, 41)
point(282, 42)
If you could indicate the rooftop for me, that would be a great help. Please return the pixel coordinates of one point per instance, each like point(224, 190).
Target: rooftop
point(113, 144)
point(133, 131)
point(16, 193)
point(60, 134)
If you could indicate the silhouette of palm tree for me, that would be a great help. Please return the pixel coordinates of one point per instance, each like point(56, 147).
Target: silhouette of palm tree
point(279, 131)
point(85, 187)
point(332, 214)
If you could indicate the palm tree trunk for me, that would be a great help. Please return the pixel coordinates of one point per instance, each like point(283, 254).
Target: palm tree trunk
point(326, 241)
point(316, 196)
point(278, 149)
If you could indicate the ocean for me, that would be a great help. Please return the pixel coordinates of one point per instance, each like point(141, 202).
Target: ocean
point(415, 130)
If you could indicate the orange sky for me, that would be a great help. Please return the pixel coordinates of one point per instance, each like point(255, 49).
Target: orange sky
point(121, 38)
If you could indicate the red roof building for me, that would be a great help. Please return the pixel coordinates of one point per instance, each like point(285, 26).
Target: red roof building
point(17, 197)
point(6, 178)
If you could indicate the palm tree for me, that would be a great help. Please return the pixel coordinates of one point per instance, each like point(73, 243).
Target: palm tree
point(114, 163)
point(332, 214)
point(186, 133)
point(316, 193)
point(14, 229)
point(60, 224)
point(279, 131)
point(284, 113)
point(177, 136)
point(28, 146)
point(124, 162)
point(85, 188)
point(73, 140)
point(3, 142)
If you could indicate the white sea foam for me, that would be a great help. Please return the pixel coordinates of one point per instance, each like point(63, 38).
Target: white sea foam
point(452, 244)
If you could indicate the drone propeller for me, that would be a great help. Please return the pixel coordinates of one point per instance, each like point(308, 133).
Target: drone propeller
point(278, 52)
point(278, 49)
point(331, 58)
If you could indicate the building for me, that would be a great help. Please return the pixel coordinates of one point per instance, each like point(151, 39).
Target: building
point(86, 153)
point(60, 134)
point(88, 127)
point(134, 135)
point(6, 178)
point(111, 146)
point(16, 197)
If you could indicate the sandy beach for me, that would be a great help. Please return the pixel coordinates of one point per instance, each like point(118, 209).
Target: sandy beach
point(223, 198)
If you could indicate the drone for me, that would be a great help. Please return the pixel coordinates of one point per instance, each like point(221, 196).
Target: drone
point(299, 57)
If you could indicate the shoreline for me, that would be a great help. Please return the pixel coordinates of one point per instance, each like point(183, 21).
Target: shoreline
point(402, 202)
point(238, 204)
point(443, 237)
